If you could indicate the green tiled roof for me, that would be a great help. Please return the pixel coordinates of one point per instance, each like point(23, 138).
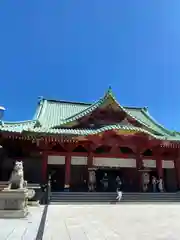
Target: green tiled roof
point(17, 126)
point(52, 114)
point(86, 132)
point(52, 117)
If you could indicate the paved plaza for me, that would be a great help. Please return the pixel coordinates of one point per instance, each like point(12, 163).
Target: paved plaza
point(97, 222)
point(113, 222)
point(21, 229)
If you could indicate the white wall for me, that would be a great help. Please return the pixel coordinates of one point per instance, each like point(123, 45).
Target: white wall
point(109, 162)
point(149, 163)
point(114, 162)
point(78, 160)
point(56, 160)
point(168, 164)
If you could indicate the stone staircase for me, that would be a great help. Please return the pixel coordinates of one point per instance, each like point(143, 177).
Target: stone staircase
point(151, 197)
point(3, 185)
point(86, 197)
point(109, 197)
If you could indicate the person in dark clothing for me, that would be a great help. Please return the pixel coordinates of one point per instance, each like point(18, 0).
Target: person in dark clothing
point(118, 183)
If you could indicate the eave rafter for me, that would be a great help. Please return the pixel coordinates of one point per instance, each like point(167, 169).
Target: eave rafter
point(75, 138)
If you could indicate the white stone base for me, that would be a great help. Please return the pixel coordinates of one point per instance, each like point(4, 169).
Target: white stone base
point(14, 213)
point(13, 203)
point(34, 203)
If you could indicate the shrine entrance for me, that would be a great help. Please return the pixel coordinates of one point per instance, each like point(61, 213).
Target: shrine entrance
point(57, 175)
point(152, 173)
point(108, 175)
point(170, 181)
point(128, 178)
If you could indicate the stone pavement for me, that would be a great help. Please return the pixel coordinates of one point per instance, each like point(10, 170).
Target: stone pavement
point(97, 222)
point(113, 222)
point(21, 229)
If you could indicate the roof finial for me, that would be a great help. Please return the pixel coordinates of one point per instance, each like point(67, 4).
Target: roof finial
point(110, 89)
point(109, 92)
point(40, 98)
point(2, 110)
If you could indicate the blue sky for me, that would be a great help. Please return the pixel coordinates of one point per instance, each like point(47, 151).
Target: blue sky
point(75, 50)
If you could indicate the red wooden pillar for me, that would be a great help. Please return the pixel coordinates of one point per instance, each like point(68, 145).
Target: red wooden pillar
point(90, 160)
point(159, 166)
point(44, 166)
point(177, 169)
point(67, 171)
point(139, 166)
point(89, 164)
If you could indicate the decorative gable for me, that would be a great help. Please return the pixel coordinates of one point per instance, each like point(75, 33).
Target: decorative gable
point(106, 111)
point(54, 116)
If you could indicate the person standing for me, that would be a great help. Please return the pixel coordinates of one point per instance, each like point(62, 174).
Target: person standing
point(118, 183)
point(161, 185)
point(105, 181)
point(92, 181)
point(119, 195)
point(154, 184)
point(145, 181)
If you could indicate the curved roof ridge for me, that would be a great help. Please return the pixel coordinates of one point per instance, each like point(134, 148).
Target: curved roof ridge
point(138, 108)
point(38, 108)
point(18, 122)
point(145, 110)
point(153, 120)
point(66, 101)
point(86, 103)
point(41, 110)
point(18, 126)
point(89, 131)
point(87, 110)
point(96, 105)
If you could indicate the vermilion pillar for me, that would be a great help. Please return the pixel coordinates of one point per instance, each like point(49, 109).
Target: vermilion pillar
point(177, 169)
point(44, 166)
point(159, 166)
point(67, 171)
point(90, 160)
point(139, 166)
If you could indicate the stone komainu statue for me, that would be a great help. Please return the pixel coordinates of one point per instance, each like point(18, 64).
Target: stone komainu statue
point(16, 180)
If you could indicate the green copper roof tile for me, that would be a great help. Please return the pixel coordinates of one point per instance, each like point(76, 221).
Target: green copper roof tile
point(17, 126)
point(139, 115)
point(51, 114)
point(145, 118)
point(28, 122)
point(85, 132)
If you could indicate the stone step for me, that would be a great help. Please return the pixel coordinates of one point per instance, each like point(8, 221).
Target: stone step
point(164, 195)
point(112, 193)
point(3, 185)
point(110, 197)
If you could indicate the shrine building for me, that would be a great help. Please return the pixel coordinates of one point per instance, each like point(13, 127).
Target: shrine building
point(68, 139)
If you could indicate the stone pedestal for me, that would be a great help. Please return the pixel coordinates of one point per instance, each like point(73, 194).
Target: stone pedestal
point(13, 203)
